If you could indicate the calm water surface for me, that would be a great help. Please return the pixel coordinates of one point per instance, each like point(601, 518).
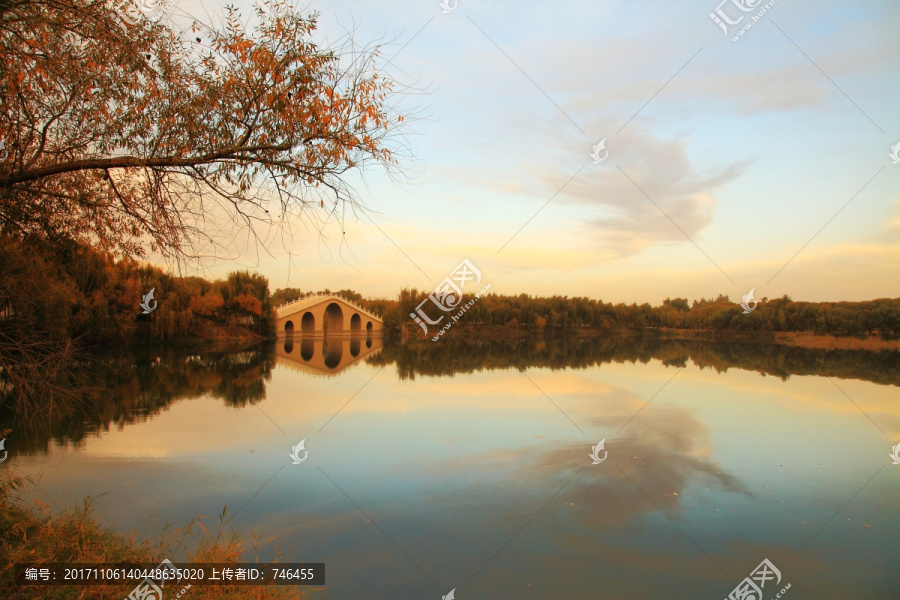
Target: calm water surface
point(433, 467)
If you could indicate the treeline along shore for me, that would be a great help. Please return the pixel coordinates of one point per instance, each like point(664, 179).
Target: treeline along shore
point(81, 294)
point(64, 306)
point(873, 324)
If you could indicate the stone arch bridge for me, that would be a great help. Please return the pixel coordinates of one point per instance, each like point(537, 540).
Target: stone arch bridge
point(325, 314)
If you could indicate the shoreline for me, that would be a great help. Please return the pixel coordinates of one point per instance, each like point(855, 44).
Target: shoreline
point(796, 339)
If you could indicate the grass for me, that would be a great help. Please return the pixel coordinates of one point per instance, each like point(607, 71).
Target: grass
point(35, 534)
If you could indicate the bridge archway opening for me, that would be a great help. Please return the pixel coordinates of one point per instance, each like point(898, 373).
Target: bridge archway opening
point(307, 324)
point(289, 328)
point(355, 323)
point(334, 318)
point(369, 328)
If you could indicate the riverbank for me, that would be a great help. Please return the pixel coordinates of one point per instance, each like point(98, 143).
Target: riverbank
point(796, 339)
point(205, 335)
point(41, 533)
point(206, 331)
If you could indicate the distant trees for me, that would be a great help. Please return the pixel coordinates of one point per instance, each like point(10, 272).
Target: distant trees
point(349, 295)
point(285, 295)
point(85, 294)
point(880, 317)
point(677, 303)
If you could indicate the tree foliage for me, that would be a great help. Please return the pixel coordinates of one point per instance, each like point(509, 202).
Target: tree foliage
point(132, 137)
point(84, 297)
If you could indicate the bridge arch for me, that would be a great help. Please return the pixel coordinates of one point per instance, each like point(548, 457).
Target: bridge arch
point(307, 323)
point(316, 315)
point(334, 319)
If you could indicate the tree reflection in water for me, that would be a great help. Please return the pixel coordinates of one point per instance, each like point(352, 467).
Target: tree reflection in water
point(135, 386)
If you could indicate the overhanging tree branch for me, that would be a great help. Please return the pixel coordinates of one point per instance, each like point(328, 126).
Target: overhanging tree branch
point(110, 123)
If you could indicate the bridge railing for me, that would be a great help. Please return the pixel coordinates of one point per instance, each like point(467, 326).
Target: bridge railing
point(347, 300)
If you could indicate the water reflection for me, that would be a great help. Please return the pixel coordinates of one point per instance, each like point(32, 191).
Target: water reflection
point(460, 469)
point(135, 387)
point(456, 355)
point(307, 347)
point(327, 355)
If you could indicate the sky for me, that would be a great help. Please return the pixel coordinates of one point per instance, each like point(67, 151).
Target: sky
point(762, 163)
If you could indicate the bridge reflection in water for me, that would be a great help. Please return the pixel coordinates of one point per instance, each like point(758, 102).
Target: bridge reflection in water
point(325, 355)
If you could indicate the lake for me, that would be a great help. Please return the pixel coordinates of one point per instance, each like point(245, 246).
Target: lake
point(467, 466)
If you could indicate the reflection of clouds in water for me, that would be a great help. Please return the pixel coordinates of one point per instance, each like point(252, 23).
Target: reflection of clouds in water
point(661, 455)
point(594, 524)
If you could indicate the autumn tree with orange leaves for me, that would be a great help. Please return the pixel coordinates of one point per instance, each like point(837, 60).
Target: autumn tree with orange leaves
point(131, 137)
point(128, 136)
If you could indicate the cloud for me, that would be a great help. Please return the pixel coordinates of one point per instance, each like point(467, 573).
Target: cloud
point(647, 193)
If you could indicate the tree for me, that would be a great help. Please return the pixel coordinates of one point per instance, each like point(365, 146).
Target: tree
point(349, 295)
point(246, 298)
point(285, 295)
point(130, 136)
point(677, 303)
point(208, 304)
point(247, 304)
